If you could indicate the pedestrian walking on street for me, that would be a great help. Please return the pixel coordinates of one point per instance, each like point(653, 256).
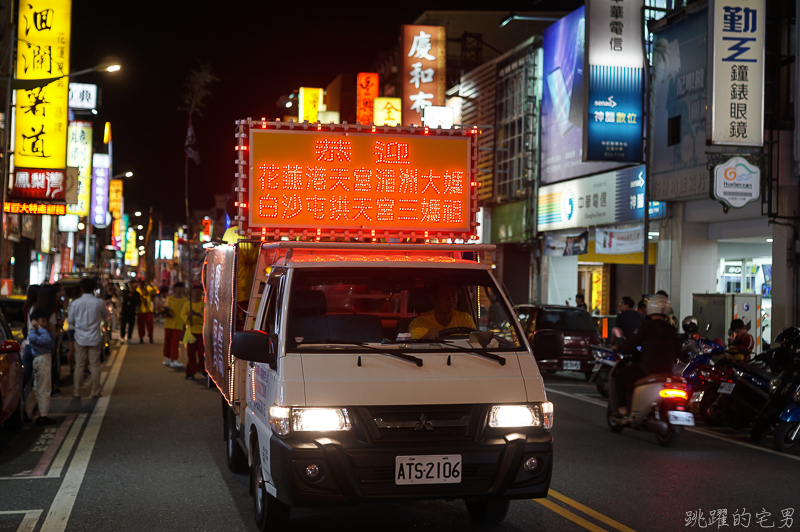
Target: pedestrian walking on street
point(173, 325)
point(41, 341)
point(86, 314)
point(192, 314)
point(130, 302)
point(147, 292)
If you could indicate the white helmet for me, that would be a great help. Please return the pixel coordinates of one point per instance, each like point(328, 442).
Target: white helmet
point(657, 304)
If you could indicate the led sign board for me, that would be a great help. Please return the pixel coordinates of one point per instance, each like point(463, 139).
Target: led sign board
point(53, 209)
point(323, 181)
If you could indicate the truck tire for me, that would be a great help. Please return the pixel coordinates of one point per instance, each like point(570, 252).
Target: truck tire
point(487, 512)
point(237, 459)
point(269, 512)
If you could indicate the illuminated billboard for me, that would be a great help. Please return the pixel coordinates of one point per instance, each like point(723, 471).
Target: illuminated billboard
point(310, 102)
point(79, 155)
point(387, 111)
point(99, 207)
point(323, 182)
point(423, 51)
point(366, 92)
point(42, 113)
point(38, 184)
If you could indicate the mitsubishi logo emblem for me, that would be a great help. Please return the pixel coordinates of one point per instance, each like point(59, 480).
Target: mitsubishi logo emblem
point(423, 423)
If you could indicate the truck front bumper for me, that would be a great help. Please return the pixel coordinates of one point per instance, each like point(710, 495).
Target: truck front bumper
point(352, 472)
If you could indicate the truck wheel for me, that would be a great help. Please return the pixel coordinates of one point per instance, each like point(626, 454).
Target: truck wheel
point(787, 435)
point(270, 513)
point(486, 512)
point(237, 460)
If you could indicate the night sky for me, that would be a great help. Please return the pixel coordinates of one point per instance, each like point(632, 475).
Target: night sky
point(259, 50)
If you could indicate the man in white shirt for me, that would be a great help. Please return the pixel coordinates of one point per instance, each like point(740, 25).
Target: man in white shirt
point(86, 314)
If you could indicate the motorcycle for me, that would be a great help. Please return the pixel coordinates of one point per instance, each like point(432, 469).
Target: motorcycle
point(784, 392)
point(605, 358)
point(659, 404)
point(705, 380)
point(749, 391)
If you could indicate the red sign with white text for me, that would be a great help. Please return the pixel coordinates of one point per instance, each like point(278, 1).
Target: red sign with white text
point(368, 184)
point(36, 183)
point(422, 77)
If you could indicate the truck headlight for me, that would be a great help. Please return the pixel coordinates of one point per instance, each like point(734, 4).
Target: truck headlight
point(507, 416)
point(320, 419)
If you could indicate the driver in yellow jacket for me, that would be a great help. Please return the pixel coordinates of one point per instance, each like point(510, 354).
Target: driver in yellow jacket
point(443, 316)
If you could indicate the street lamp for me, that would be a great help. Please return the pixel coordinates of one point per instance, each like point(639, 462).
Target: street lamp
point(30, 84)
point(137, 213)
point(512, 17)
point(125, 174)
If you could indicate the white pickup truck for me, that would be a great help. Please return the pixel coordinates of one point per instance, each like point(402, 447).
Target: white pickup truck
point(343, 381)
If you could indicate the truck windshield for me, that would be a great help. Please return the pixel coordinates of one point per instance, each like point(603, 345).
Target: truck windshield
point(400, 307)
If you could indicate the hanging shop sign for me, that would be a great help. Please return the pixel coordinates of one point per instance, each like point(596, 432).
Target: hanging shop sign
point(423, 75)
point(131, 249)
point(366, 92)
point(387, 111)
point(115, 198)
point(40, 207)
point(736, 30)
point(310, 101)
point(561, 245)
point(79, 155)
point(82, 96)
point(68, 223)
point(602, 199)
point(321, 183)
point(619, 241)
point(615, 59)
point(438, 116)
point(99, 206)
point(562, 101)
point(38, 184)
point(41, 113)
point(736, 182)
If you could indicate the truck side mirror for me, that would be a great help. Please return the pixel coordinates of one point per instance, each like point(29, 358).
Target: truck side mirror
point(548, 344)
point(253, 346)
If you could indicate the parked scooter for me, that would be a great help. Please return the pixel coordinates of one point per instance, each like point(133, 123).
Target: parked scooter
point(705, 380)
point(787, 430)
point(782, 403)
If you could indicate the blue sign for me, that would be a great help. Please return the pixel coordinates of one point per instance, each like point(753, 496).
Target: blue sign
point(614, 127)
point(630, 196)
point(562, 102)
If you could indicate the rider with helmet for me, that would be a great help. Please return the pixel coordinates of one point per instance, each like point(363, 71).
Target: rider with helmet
point(655, 346)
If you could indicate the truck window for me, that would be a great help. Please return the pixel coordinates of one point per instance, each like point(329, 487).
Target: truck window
point(384, 306)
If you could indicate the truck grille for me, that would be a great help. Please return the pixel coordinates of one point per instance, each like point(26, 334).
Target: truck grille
point(417, 423)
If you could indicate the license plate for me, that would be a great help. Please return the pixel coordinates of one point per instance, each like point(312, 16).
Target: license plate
point(726, 387)
point(428, 469)
point(680, 418)
point(572, 364)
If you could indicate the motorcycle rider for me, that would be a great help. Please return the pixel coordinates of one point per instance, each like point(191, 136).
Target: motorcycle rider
point(655, 346)
point(741, 344)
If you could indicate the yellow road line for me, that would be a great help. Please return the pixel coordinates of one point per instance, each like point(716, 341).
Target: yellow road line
point(588, 511)
point(569, 515)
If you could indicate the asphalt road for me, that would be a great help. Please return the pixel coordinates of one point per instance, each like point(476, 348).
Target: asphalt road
point(149, 455)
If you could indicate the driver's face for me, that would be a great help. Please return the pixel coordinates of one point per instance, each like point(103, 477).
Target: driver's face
point(446, 298)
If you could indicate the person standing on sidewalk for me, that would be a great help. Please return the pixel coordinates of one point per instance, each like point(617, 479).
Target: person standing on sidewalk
point(173, 325)
point(192, 314)
point(41, 341)
point(86, 314)
point(130, 302)
point(147, 292)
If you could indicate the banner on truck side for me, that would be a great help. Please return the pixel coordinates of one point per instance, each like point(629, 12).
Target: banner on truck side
point(326, 181)
point(219, 314)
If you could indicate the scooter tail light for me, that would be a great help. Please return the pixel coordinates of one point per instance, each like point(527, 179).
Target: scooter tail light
point(672, 393)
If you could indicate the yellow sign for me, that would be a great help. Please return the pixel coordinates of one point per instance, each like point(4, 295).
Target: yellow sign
point(387, 111)
point(41, 113)
point(79, 155)
point(131, 250)
point(115, 198)
point(310, 102)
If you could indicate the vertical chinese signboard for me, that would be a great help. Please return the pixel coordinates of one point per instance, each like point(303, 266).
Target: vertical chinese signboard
point(366, 92)
point(42, 113)
point(615, 61)
point(423, 52)
point(79, 155)
point(99, 207)
point(115, 207)
point(736, 29)
point(387, 111)
point(310, 101)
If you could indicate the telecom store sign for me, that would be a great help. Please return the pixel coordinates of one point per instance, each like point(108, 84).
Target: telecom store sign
point(613, 123)
point(737, 75)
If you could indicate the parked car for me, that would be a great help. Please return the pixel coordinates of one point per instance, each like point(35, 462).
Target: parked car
point(11, 374)
point(11, 307)
point(578, 327)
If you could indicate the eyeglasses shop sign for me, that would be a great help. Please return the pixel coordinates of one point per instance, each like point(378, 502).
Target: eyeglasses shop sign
point(736, 182)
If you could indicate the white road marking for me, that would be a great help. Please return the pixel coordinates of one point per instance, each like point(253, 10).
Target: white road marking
point(60, 510)
point(696, 430)
point(66, 447)
point(28, 522)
